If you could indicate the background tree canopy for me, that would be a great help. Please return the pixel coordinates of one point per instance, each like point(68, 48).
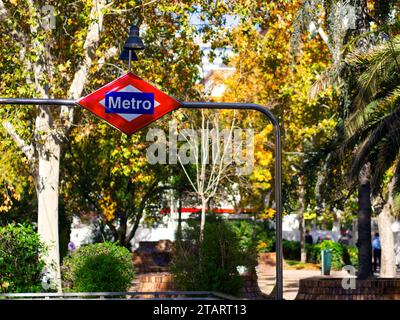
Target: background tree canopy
point(327, 69)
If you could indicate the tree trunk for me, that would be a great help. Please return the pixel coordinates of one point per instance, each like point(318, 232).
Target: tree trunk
point(47, 193)
point(388, 262)
point(203, 217)
point(303, 256)
point(123, 225)
point(336, 225)
point(300, 218)
point(364, 224)
point(179, 231)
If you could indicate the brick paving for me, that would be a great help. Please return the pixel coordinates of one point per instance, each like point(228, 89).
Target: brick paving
point(266, 280)
point(291, 278)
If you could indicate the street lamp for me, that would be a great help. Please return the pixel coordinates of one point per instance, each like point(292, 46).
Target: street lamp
point(133, 43)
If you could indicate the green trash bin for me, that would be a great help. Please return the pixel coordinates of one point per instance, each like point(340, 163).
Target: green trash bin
point(326, 261)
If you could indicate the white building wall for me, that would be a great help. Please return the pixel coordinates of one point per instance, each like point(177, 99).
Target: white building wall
point(81, 233)
point(165, 230)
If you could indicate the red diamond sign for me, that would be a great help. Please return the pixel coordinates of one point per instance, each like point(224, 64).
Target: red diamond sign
point(129, 103)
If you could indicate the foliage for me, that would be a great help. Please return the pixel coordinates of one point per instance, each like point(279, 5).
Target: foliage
point(353, 256)
point(291, 249)
point(106, 174)
point(341, 254)
point(372, 125)
point(265, 75)
point(77, 61)
point(210, 265)
point(126, 188)
point(21, 263)
point(101, 267)
point(295, 263)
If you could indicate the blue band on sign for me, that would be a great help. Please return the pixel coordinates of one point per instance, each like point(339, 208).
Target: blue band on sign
point(130, 102)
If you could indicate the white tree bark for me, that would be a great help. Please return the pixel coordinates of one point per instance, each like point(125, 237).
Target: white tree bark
point(388, 256)
point(203, 217)
point(388, 263)
point(44, 151)
point(47, 194)
point(81, 75)
point(49, 149)
point(300, 217)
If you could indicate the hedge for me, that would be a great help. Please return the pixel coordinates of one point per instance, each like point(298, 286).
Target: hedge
point(21, 259)
point(100, 267)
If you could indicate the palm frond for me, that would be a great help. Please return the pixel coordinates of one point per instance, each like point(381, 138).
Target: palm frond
point(360, 118)
point(358, 135)
point(381, 64)
point(383, 159)
point(327, 78)
point(386, 128)
point(396, 187)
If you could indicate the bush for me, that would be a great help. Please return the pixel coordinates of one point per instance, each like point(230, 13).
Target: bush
point(104, 267)
point(212, 264)
point(341, 254)
point(21, 260)
point(353, 256)
point(291, 250)
point(254, 235)
point(313, 253)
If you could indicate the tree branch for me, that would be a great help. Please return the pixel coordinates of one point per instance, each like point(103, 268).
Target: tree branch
point(81, 75)
point(111, 52)
point(27, 149)
point(3, 11)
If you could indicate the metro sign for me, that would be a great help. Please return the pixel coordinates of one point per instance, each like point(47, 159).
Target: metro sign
point(129, 103)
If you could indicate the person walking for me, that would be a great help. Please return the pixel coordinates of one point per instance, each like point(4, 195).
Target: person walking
point(376, 247)
point(308, 238)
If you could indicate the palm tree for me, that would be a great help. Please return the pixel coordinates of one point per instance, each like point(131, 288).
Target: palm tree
point(372, 137)
point(345, 20)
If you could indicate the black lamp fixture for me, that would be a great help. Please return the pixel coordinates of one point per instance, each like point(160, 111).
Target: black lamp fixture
point(125, 55)
point(132, 44)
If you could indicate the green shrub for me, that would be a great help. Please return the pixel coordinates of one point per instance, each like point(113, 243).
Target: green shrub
point(353, 256)
point(254, 235)
point(104, 267)
point(313, 253)
point(341, 254)
point(21, 263)
point(212, 264)
point(291, 249)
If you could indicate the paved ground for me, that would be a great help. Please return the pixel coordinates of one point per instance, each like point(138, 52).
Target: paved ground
point(266, 280)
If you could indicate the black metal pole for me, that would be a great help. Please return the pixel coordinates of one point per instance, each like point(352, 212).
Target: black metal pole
point(213, 105)
point(129, 60)
point(46, 102)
